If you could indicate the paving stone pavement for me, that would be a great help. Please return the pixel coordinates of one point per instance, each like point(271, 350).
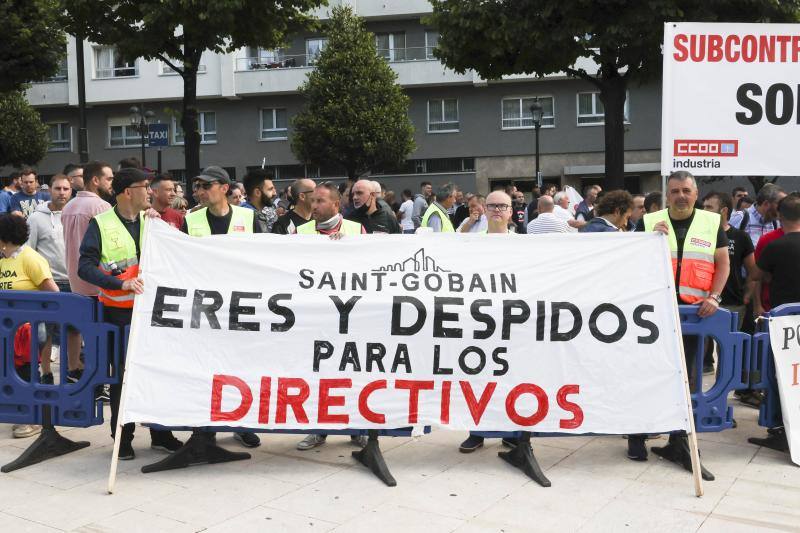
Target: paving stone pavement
point(595, 488)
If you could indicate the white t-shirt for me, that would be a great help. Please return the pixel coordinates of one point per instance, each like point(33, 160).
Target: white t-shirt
point(406, 209)
point(481, 225)
point(564, 215)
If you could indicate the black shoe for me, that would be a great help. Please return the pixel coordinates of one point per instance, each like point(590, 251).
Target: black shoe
point(46, 379)
point(248, 439)
point(751, 399)
point(776, 440)
point(73, 376)
point(510, 442)
point(166, 443)
point(126, 451)
point(637, 451)
point(708, 369)
point(472, 443)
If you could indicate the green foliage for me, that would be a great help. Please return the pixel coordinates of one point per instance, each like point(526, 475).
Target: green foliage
point(356, 116)
point(33, 42)
point(622, 37)
point(179, 31)
point(23, 136)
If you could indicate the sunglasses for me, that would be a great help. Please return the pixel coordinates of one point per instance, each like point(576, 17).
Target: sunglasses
point(205, 185)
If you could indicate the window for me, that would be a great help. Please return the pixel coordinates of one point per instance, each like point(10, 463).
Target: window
point(261, 58)
point(517, 112)
point(431, 42)
point(591, 111)
point(108, 63)
point(443, 115)
point(391, 46)
point(60, 135)
point(63, 70)
point(167, 70)
point(121, 133)
point(313, 48)
point(273, 124)
point(207, 125)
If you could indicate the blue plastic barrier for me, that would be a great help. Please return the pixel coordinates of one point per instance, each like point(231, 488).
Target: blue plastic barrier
point(71, 404)
point(763, 370)
point(27, 401)
point(711, 409)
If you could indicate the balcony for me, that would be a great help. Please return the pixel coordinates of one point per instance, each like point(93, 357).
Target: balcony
point(280, 73)
point(49, 93)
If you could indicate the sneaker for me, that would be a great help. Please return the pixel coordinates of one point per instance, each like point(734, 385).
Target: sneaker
point(358, 440)
point(312, 441)
point(248, 439)
point(46, 379)
point(166, 443)
point(751, 399)
point(73, 376)
point(708, 369)
point(22, 431)
point(637, 451)
point(102, 394)
point(126, 451)
point(472, 443)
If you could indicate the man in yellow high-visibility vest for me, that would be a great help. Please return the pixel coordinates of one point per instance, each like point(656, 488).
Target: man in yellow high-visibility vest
point(700, 265)
point(436, 216)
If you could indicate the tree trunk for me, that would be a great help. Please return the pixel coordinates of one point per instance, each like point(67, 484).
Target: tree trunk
point(191, 135)
point(759, 181)
point(612, 94)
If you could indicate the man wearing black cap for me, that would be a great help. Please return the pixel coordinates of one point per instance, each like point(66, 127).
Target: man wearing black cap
point(109, 259)
point(220, 218)
point(217, 217)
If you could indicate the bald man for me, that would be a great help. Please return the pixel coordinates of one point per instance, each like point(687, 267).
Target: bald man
point(368, 211)
point(287, 224)
point(547, 221)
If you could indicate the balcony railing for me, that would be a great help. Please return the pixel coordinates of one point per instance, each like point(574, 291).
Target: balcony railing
point(283, 61)
point(115, 72)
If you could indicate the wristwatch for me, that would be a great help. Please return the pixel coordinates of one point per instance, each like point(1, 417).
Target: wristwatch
point(716, 297)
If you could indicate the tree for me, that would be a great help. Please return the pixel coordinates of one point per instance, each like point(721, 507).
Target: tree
point(178, 32)
point(23, 136)
point(33, 42)
point(356, 116)
point(623, 37)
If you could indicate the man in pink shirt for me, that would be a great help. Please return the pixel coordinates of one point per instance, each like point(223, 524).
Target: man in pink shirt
point(75, 217)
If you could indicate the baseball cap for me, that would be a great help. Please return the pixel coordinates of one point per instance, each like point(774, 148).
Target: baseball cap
point(126, 177)
point(214, 173)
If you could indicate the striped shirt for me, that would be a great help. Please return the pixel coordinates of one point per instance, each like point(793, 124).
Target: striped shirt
point(548, 223)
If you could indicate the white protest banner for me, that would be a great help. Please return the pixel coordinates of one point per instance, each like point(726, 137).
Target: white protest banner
point(784, 337)
point(490, 332)
point(731, 99)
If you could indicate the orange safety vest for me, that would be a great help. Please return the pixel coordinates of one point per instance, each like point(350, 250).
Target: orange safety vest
point(697, 261)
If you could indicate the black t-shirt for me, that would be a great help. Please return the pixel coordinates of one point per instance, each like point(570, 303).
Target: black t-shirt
point(460, 214)
point(739, 247)
point(781, 258)
point(518, 216)
point(220, 225)
point(290, 220)
point(381, 221)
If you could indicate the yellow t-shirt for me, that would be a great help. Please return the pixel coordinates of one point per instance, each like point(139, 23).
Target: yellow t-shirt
point(24, 271)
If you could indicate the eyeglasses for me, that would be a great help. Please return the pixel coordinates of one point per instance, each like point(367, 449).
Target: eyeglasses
point(497, 207)
point(140, 186)
point(205, 185)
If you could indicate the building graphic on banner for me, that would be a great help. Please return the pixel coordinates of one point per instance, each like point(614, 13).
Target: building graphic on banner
point(419, 262)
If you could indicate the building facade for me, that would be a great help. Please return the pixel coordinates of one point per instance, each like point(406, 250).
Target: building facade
point(474, 132)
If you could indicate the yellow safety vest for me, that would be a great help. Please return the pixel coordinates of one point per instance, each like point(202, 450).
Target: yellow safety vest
point(348, 227)
point(117, 254)
point(697, 262)
point(241, 221)
point(447, 226)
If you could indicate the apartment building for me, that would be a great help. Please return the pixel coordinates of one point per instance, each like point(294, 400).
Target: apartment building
point(467, 130)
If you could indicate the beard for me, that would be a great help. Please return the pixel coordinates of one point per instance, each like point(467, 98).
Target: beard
point(105, 195)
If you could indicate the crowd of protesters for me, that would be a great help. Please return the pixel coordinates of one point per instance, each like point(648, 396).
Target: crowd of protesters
point(51, 239)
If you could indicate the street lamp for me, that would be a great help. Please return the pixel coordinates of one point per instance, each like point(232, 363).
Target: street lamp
point(139, 118)
point(536, 113)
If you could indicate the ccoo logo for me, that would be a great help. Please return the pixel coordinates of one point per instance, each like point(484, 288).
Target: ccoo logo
point(706, 148)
